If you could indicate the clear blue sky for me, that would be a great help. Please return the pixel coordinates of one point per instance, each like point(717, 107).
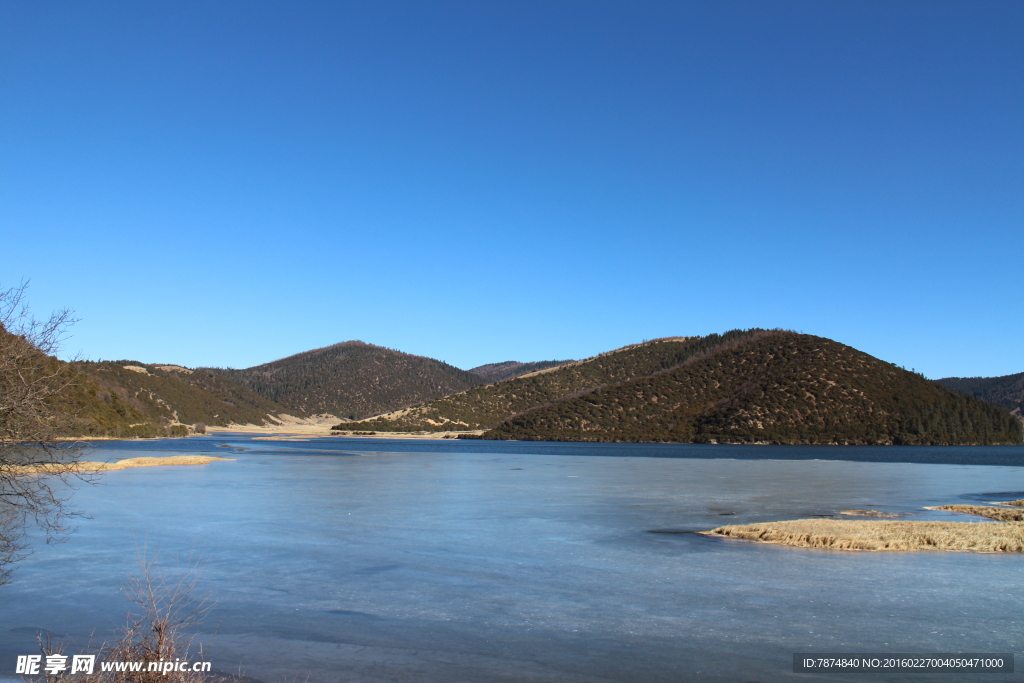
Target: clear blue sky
point(230, 182)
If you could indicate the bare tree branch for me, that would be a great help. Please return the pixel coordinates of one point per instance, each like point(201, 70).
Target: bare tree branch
point(35, 468)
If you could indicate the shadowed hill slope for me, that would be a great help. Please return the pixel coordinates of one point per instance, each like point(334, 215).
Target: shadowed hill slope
point(488, 406)
point(171, 394)
point(1007, 391)
point(42, 397)
point(495, 372)
point(352, 380)
point(782, 388)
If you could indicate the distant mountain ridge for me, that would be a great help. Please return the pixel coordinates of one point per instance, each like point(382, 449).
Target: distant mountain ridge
point(1006, 391)
point(488, 406)
point(352, 380)
point(743, 386)
point(779, 387)
point(495, 372)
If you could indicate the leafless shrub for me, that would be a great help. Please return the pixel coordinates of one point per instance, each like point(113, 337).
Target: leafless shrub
point(32, 386)
point(170, 608)
point(159, 632)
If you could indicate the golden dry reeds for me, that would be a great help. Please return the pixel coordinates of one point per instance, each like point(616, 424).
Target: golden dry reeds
point(1001, 514)
point(86, 466)
point(868, 513)
point(878, 535)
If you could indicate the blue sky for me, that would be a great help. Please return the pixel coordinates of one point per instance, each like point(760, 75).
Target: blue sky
point(226, 183)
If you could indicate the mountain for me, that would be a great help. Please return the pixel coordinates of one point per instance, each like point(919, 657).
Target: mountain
point(172, 394)
point(352, 380)
point(488, 406)
point(775, 387)
point(43, 397)
point(1007, 391)
point(495, 372)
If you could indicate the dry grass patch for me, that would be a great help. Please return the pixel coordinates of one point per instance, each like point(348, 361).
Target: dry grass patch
point(1002, 514)
point(86, 466)
point(837, 534)
point(1018, 503)
point(868, 513)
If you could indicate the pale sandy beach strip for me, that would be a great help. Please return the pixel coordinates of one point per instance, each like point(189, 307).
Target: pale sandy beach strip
point(127, 463)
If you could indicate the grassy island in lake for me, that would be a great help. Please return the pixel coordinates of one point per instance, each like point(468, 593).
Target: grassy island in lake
point(1006, 536)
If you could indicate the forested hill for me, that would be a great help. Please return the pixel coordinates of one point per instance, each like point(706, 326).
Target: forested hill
point(120, 399)
point(784, 388)
point(89, 409)
point(353, 380)
point(488, 406)
point(1006, 391)
point(172, 394)
point(495, 372)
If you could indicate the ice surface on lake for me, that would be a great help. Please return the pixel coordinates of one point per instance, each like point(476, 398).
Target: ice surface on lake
point(332, 562)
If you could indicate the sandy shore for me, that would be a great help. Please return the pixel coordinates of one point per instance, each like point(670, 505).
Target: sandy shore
point(300, 429)
point(289, 426)
point(127, 463)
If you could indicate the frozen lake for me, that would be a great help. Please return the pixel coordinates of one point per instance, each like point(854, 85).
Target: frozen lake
point(362, 560)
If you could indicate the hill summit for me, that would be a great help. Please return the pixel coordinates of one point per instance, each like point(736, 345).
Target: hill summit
point(352, 380)
point(772, 387)
point(743, 386)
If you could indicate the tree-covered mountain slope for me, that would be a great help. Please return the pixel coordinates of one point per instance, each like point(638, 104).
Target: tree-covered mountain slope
point(495, 372)
point(1006, 392)
point(488, 406)
point(43, 398)
point(94, 410)
point(352, 380)
point(783, 388)
point(172, 394)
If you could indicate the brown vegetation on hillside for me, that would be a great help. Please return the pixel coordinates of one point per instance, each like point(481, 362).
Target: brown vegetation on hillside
point(157, 398)
point(1006, 392)
point(352, 380)
point(496, 372)
point(778, 387)
point(488, 406)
